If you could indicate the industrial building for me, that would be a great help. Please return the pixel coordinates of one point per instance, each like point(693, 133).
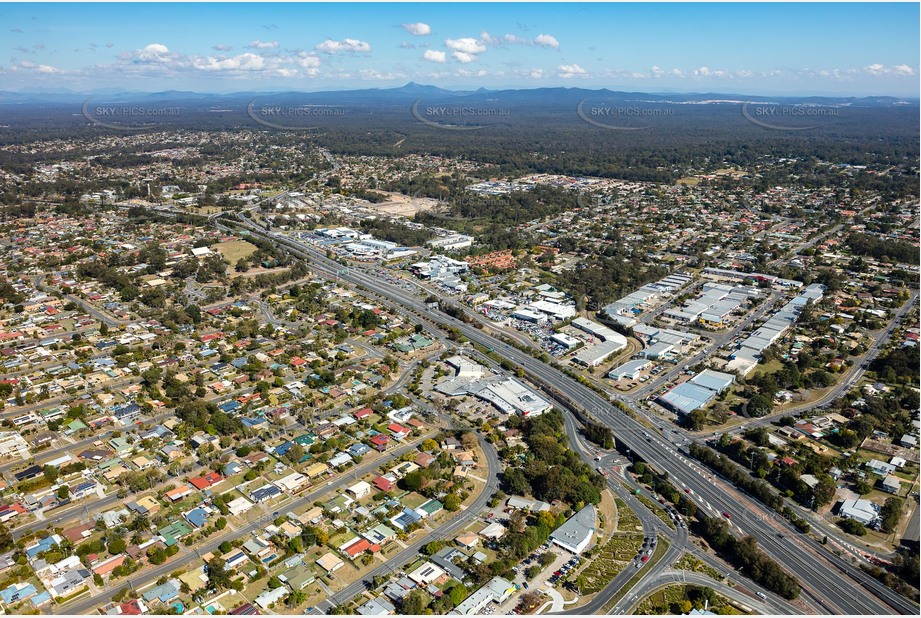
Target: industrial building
point(599, 331)
point(735, 275)
point(496, 590)
point(645, 297)
point(713, 306)
point(554, 310)
point(679, 340)
point(629, 370)
point(444, 270)
point(565, 340)
point(505, 394)
point(748, 354)
point(860, 510)
point(697, 392)
point(575, 535)
point(592, 356)
point(451, 242)
point(610, 342)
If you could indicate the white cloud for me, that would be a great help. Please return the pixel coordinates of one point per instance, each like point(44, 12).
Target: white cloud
point(156, 48)
point(546, 40)
point(263, 44)
point(464, 57)
point(466, 45)
point(418, 29)
point(488, 39)
point(537, 73)
point(221, 48)
point(351, 46)
point(380, 75)
point(469, 73)
point(435, 56)
point(241, 62)
point(570, 70)
point(881, 69)
point(305, 60)
point(514, 39)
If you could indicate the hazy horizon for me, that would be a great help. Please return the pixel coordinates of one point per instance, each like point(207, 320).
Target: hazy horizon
point(766, 49)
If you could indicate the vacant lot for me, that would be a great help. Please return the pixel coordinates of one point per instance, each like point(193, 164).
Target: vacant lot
point(234, 250)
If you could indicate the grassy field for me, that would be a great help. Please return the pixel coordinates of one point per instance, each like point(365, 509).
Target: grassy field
point(233, 250)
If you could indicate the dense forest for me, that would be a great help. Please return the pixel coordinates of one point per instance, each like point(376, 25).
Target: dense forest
point(552, 471)
point(543, 133)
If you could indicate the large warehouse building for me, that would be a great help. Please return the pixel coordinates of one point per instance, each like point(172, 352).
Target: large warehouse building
point(697, 392)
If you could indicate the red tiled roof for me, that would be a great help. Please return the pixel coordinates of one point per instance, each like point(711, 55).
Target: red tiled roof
point(383, 484)
point(206, 481)
point(357, 547)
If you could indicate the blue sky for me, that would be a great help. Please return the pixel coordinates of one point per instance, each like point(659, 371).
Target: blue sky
point(847, 48)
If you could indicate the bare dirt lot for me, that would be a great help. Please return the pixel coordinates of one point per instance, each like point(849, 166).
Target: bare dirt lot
point(404, 205)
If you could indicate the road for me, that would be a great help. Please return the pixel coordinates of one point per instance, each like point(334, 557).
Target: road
point(827, 579)
point(820, 573)
point(848, 381)
point(652, 525)
point(187, 555)
point(667, 578)
point(857, 370)
point(445, 530)
point(95, 313)
point(718, 340)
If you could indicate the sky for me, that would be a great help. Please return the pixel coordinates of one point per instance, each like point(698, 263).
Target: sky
point(853, 49)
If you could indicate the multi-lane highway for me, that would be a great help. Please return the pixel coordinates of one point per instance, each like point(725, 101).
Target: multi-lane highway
point(827, 580)
point(822, 574)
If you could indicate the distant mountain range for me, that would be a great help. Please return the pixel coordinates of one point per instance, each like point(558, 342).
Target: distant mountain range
point(373, 97)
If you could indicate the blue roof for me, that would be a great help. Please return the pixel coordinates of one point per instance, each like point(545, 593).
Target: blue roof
point(252, 422)
point(197, 517)
point(164, 593)
point(38, 599)
point(43, 545)
point(127, 408)
point(283, 448)
point(358, 449)
point(12, 594)
point(230, 406)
